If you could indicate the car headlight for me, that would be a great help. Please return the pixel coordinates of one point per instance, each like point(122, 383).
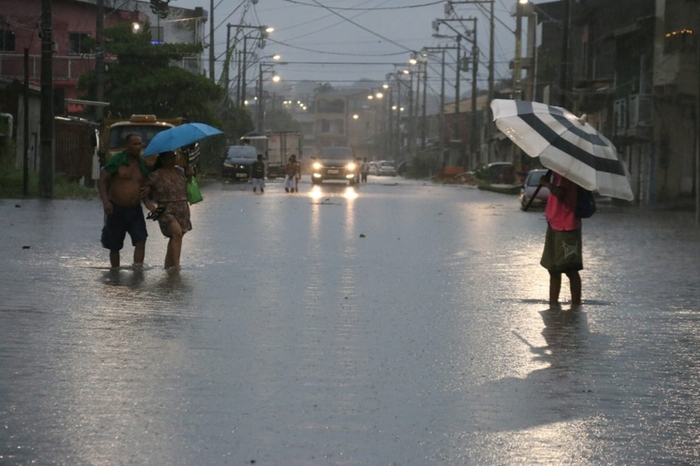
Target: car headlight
point(350, 166)
point(317, 166)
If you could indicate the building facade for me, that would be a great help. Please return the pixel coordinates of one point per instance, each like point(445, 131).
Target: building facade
point(74, 31)
point(633, 69)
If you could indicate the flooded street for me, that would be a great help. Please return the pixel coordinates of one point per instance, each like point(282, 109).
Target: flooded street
point(397, 323)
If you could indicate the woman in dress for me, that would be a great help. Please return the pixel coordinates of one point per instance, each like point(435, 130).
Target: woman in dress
point(168, 187)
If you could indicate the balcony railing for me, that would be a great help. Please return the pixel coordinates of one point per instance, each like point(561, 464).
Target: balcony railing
point(67, 67)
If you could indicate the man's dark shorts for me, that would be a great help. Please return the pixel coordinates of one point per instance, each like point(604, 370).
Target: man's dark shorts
point(562, 251)
point(122, 221)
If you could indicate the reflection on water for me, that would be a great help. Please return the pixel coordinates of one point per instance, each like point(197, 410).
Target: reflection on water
point(566, 334)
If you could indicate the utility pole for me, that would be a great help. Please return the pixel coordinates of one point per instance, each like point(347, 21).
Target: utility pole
point(441, 124)
point(491, 88)
point(25, 121)
point(517, 62)
point(46, 166)
point(390, 145)
point(100, 59)
point(697, 142)
point(227, 61)
point(460, 64)
point(474, 130)
point(563, 78)
point(455, 129)
point(211, 41)
point(260, 106)
point(425, 92)
point(398, 116)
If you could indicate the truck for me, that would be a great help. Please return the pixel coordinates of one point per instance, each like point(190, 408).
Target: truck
point(116, 130)
point(280, 145)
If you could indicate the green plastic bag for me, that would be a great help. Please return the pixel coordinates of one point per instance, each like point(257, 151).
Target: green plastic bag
point(193, 194)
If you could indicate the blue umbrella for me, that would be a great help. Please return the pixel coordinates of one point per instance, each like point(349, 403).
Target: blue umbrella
point(179, 136)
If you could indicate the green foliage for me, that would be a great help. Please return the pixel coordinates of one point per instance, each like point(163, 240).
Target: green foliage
point(236, 121)
point(423, 164)
point(142, 80)
point(281, 120)
point(12, 185)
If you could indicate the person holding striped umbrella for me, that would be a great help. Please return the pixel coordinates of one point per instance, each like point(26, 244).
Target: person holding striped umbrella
point(581, 160)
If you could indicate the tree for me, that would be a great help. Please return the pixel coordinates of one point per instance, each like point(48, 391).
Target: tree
point(281, 120)
point(142, 80)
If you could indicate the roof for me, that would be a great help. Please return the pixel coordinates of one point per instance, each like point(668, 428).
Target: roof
point(465, 105)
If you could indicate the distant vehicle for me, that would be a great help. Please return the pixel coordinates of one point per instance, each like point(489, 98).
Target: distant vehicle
point(374, 168)
point(532, 181)
point(387, 169)
point(334, 163)
point(113, 137)
point(280, 145)
point(238, 161)
point(497, 173)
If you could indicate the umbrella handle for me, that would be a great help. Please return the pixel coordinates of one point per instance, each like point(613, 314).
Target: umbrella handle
point(548, 174)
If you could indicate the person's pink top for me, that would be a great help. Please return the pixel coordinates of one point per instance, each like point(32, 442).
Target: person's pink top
point(560, 213)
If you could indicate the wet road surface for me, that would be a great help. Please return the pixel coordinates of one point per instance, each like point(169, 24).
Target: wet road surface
point(397, 323)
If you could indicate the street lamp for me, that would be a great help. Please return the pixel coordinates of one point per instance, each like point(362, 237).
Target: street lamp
point(264, 32)
point(264, 67)
point(441, 50)
point(463, 64)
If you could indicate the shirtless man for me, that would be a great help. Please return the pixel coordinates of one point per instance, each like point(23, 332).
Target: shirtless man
point(120, 187)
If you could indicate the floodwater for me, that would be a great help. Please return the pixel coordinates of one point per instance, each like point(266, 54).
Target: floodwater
point(397, 323)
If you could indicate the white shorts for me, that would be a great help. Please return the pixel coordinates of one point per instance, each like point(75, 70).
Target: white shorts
point(289, 182)
point(258, 183)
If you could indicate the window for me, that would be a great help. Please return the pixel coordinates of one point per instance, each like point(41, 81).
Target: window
point(330, 106)
point(79, 42)
point(7, 40)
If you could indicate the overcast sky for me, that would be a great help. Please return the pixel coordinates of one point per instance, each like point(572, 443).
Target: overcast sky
point(360, 31)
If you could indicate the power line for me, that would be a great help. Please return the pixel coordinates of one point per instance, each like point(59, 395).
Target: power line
point(422, 5)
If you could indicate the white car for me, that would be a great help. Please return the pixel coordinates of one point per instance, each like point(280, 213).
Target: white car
point(374, 168)
point(387, 169)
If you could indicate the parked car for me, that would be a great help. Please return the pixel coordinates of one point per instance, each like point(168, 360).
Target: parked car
point(532, 181)
point(334, 163)
point(374, 168)
point(387, 169)
point(497, 173)
point(238, 161)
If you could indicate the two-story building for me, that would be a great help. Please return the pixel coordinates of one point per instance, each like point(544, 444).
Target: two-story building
point(633, 69)
point(348, 117)
point(74, 32)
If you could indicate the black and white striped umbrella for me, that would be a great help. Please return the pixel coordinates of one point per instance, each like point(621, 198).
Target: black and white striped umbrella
point(564, 143)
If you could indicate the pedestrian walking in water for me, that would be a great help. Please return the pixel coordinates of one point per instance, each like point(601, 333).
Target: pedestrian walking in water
point(364, 170)
point(292, 172)
point(121, 187)
point(562, 248)
point(168, 187)
point(257, 174)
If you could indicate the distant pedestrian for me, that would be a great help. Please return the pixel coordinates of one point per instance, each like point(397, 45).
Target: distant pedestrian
point(562, 248)
point(257, 174)
point(292, 172)
point(168, 187)
point(121, 188)
point(364, 170)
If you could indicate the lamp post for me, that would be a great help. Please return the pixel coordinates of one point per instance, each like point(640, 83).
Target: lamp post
point(517, 61)
point(441, 124)
point(422, 121)
point(376, 98)
point(264, 67)
point(463, 64)
point(264, 32)
point(398, 109)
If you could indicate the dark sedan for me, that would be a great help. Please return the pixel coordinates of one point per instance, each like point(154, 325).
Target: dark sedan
point(532, 181)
